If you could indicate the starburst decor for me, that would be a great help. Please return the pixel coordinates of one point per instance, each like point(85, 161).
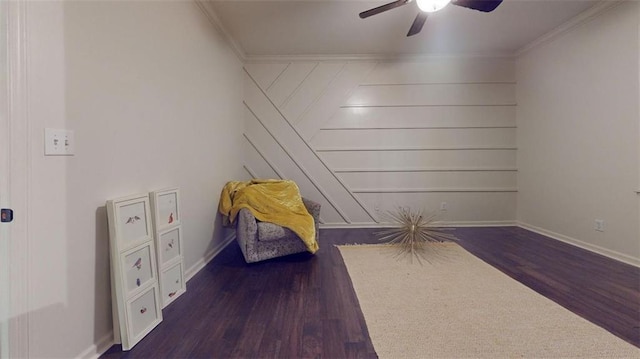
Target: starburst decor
point(413, 232)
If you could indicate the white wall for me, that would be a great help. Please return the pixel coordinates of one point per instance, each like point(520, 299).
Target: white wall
point(364, 137)
point(578, 136)
point(154, 95)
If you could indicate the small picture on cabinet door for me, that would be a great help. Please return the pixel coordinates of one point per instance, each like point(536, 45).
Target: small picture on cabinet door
point(168, 209)
point(144, 315)
point(137, 267)
point(172, 283)
point(132, 220)
point(170, 245)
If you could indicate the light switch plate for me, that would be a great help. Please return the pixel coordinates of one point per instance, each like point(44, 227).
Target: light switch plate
point(58, 142)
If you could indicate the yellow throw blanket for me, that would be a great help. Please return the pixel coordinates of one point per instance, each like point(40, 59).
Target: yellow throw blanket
point(275, 201)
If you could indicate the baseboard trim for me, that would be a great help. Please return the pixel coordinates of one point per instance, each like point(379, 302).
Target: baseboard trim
point(621, 257)
point(349, 225)
point(438, 224)
point(189, 273)
point(477, 224)
point(96, 350)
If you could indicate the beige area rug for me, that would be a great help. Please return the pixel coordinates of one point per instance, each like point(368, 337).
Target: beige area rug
point(458, 306)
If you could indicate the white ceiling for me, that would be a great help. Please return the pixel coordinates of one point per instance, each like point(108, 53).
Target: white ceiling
point(332, 27)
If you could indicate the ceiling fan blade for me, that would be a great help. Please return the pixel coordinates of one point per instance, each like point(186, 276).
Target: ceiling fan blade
point(417, 23)
point(480, 5)
point(383, 8)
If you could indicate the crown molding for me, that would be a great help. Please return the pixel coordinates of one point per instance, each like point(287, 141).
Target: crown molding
point(587, 15)
point(207, 9)
point(373, 57)
point(596, 10)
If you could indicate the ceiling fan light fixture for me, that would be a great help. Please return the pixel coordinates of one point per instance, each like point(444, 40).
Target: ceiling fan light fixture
point(432, 5)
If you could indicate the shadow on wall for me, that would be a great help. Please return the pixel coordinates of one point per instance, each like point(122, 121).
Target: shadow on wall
point(219, 236)
point(103, 315)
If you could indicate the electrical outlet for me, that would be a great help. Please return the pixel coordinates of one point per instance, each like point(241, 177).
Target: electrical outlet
point(599, 226)
point(443, 206)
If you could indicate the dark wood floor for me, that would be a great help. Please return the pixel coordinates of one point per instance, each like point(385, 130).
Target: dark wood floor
point(304, 306)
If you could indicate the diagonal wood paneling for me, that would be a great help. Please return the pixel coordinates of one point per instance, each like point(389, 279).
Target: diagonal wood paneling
point(302, 157)
point(445, 70)
point(266, 74)
point(339, 89)
point(475, 208)
point(255, 159)
point(279, 158)
point(421, 159)
point(422, 117)
point(438, 137)
point(443, 179)
point(288, 81)
point(366, 136)
point(472, 94)
point(310, 90)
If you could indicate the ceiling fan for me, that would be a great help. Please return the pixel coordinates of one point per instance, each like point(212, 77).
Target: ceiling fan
point(427, 6)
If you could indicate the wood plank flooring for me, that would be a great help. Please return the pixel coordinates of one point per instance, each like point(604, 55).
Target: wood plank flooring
point(304, 306)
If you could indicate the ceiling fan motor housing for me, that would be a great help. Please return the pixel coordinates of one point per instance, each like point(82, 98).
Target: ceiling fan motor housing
point(430, 6)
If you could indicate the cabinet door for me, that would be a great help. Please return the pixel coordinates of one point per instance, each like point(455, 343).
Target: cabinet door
point(143, 314)
point(132, 222)
point(172, 283)
point(134, 272)
point(138, 268)
point(170, 246)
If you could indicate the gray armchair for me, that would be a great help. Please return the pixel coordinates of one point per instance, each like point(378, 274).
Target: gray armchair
point(264, 240)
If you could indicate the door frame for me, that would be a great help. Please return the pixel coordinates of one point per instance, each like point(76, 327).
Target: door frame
point(4, 185)
point(17, 161)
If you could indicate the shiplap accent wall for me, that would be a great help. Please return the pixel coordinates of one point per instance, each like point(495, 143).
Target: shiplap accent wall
point(362, 137)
